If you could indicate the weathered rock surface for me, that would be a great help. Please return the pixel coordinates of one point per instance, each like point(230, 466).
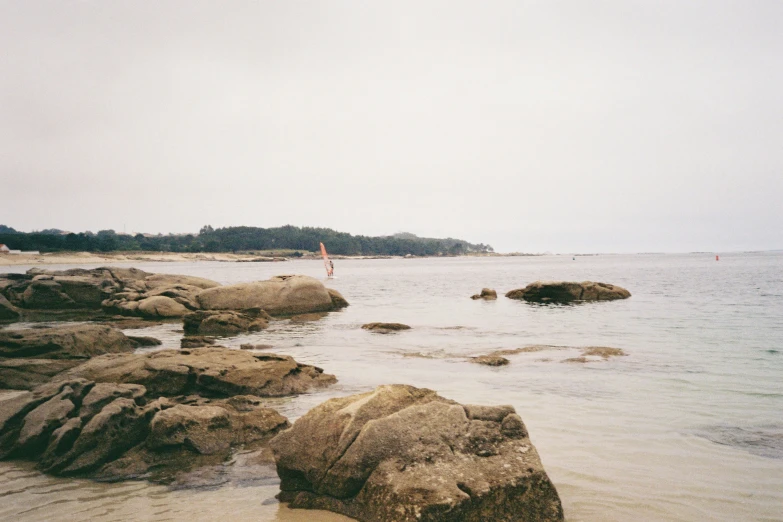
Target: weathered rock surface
point(281, 295)
point(385, 328)
point(225, 322)
point(214, 372)
point(8, 312)
point(111, 431)
point(26, 374)
point(567, 292)
point(487, 294)
point(64, 342)
point(406, 454)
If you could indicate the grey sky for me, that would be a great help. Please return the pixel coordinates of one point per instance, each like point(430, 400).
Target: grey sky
point(559, 126)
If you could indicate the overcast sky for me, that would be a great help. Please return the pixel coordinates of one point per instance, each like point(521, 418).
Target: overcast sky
point(563, 126)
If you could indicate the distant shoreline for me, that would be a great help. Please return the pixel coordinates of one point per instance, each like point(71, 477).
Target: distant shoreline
point(78, 258)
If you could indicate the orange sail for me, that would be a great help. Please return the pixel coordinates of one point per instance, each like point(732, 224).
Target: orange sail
point(327, 263)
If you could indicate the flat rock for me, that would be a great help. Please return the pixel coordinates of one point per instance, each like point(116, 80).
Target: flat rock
point(568, 292)
point(401, 453)
point(64, 342)
point(26, 374)
point(214, 371)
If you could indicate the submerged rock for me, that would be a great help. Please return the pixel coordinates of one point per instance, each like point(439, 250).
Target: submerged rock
point(490, 360)
point(385, 328)
point(281, 295)
point(401, 453)
point(567, 292)
point(487, 294)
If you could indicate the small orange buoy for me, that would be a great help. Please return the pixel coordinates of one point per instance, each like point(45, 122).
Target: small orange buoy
point(717, 258)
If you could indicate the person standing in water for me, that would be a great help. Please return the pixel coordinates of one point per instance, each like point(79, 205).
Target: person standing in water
point(331, 268)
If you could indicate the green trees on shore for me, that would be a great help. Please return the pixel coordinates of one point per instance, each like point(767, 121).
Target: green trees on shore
point(239, 239)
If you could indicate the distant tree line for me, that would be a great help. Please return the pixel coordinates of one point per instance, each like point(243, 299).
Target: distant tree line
point(239, 239)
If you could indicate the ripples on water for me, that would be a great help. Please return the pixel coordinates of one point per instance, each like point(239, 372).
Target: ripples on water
point(686, 427)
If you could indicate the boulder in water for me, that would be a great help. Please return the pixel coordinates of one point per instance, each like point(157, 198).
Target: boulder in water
point(487, 294)
point(401, 453)
point(568, 292)
point(281, 295)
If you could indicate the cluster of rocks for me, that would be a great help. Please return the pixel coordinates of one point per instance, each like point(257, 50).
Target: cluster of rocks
point(116, 431)
point(95, 406)
point(129, 291)
point(98, 409)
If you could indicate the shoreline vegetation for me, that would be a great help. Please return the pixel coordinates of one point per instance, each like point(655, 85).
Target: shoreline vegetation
point(73, 258)
point(296, 241)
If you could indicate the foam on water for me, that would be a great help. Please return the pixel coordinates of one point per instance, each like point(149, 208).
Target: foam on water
point(686, 427)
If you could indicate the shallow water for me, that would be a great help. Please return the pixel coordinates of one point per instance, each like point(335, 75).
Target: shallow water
point(687, 426)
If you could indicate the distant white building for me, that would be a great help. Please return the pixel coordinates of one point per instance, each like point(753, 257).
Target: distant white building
point(4, 249)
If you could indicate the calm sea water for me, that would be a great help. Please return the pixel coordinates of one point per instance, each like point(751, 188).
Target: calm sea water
point(688, 426)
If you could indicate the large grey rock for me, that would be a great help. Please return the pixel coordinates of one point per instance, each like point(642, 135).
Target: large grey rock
point(281, 295)
point(406, 454)
point(64, 342)
point(214, 371)
point(567, 292)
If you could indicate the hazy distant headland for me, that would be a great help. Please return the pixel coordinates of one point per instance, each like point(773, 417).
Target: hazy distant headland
point(289, 240)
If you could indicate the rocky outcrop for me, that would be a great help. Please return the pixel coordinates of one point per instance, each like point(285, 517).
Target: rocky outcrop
point(281, 295)
point(117, 290)
point(117, 431)
point(486, 294)
point(406, 454)
point(568, 292)
point(225, 322)
point(385, 328)
point(132, 292)
point(64, 342)
point(213, 372)
point(196, 341)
